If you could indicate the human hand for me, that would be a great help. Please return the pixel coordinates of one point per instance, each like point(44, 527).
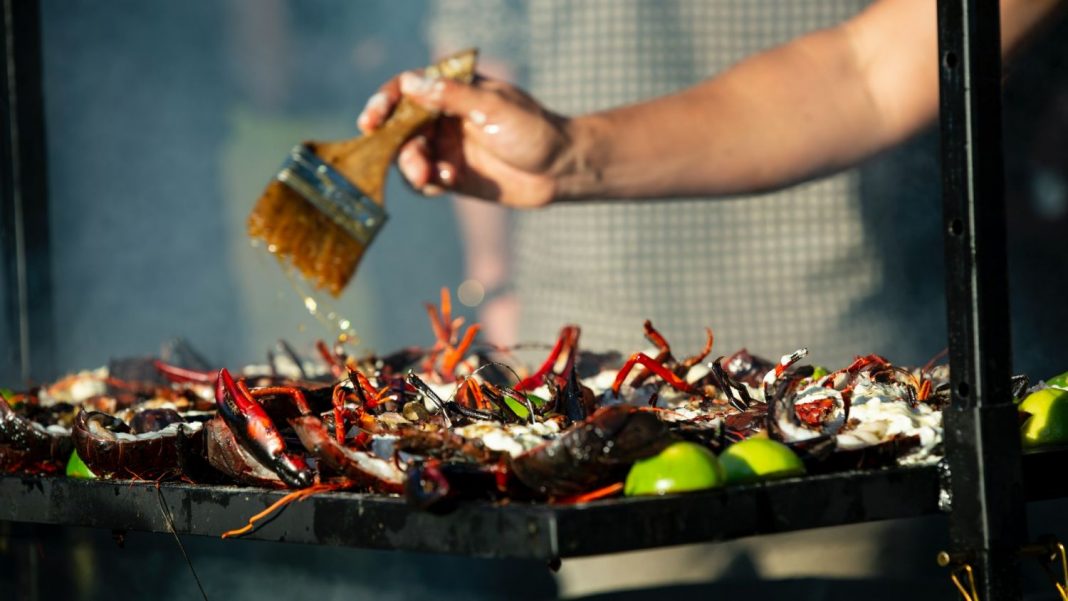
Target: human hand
point(493, 141)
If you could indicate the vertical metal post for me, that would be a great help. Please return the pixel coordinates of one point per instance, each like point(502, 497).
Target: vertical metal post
point(27, 330)
point(987, 519)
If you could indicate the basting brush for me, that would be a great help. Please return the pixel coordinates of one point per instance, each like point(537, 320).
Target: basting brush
point(326, 203)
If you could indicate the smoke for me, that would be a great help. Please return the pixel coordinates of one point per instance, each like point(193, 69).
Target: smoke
point(165, 120)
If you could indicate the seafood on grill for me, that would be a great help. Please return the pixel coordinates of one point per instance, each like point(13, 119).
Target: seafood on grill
point(256, 432)
point(154, 444)
point(870, 408)
point(592, 453)
point(34, 438)
point(460, 419)
point(359, 468)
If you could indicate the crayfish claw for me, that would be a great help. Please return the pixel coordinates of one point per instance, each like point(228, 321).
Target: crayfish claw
point(254, 430)
point(293, 471)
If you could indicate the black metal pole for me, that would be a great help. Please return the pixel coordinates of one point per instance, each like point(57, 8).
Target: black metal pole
point(987, 519)
point(26, 329)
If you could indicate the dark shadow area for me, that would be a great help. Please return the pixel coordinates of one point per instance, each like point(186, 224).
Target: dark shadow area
point(165, 121)
point(903, 217)
point(1036, 176)
point(801, 589)
point(133, 93)
point(80, 564)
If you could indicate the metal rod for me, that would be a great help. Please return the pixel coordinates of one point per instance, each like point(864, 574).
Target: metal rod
point(987, 519)
point(27, 319)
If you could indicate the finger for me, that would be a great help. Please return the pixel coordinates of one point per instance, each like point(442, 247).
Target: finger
point(487, 83)
point(474, 102)
point(414, 162)
point(444, 174)
point(379, 106)
point(447, 151)
point(431, 190)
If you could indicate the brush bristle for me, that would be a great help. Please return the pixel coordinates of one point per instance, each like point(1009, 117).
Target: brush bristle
point(297, 232)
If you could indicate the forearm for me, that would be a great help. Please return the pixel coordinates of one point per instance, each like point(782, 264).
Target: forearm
point(778, 117)
point(816, 105)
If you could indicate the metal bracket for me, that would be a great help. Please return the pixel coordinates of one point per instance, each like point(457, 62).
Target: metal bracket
point(982, 440)
point(961, 573)
point(26, 321)
point(1051, 555)
point(321, 185)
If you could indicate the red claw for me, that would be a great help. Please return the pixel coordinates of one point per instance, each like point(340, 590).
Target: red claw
point(567, 339)
point(925, 391)
point(255, 430)
point(476, 392)
point(645, 360)
point(295, 393)
point(446, 329)
point(862, 362)
point(180, 375)
point(689, 362)
point(338, 399)
point(336, 368)
point(364, 391)
point(453, 356)
point(653, 335)
point(439, 325)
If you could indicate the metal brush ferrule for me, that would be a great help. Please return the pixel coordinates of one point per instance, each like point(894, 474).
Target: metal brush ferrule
point(332, 194)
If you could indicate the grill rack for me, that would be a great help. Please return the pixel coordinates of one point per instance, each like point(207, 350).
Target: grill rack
point(980, 485)
point(511, 531)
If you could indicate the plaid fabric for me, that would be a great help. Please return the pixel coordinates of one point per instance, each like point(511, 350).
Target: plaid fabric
point(772, 273)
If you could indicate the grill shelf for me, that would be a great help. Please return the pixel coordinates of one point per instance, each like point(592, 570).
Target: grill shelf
point(515, 530)
point(481, 529)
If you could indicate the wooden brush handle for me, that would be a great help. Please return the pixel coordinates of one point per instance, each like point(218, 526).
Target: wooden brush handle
point(365, 161)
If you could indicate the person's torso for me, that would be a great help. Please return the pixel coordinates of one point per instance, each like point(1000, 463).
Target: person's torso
point(773, 273)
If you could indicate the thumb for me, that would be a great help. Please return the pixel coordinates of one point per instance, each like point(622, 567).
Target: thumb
point(449, 96)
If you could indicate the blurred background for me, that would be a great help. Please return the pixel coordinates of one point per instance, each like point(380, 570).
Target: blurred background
point(165, 122)
point(166, 119)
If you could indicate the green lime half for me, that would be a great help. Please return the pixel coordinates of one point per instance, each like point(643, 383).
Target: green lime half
point(682, 467)
point(1058, 381)
point(755, 459)
point(1048, 422)
point(76, 468)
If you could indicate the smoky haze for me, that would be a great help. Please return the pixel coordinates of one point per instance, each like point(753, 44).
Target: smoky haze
point(165, 121)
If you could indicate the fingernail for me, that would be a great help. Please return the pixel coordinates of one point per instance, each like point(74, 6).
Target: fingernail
point(421, 141)
point(436, 90)
point(407, 169)
point(412, 83)
point(477, 117)
point(410, 164)
point(378, 102)
point(446, 173)
point(376, 106)
point(404, 159)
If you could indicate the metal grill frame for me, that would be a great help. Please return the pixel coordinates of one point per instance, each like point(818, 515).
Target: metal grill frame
point(987, 522)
